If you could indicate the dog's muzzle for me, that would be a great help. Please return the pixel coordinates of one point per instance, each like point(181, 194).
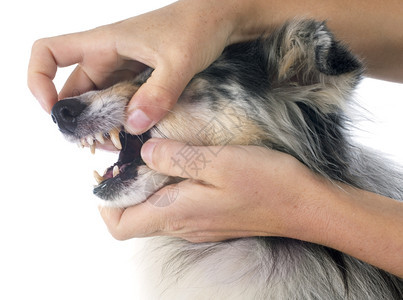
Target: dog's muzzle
point(65, 113)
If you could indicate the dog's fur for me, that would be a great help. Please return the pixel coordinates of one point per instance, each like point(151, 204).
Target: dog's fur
point(287, 91)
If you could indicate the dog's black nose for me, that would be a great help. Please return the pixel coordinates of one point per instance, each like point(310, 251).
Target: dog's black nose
point(65, 113)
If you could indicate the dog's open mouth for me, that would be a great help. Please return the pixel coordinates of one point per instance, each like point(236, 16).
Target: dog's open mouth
point(126, 166)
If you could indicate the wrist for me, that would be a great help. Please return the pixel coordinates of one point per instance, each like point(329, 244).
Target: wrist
point(249, 19)
point(357, 222)
point(253, 18)
point(295, 200)
point(239, 20)
point(312, 202)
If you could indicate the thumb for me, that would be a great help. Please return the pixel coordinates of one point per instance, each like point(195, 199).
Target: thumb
point(155, 99)
point(180, 160)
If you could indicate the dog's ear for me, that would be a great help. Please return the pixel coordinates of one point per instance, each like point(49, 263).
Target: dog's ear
point(331, 56)
point(305, 52)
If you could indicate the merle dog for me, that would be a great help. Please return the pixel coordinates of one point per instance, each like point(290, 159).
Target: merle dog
point(287, 91)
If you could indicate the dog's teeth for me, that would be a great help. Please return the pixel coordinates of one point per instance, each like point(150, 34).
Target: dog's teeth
point(90, 140)
point(92, 147)
point(114, 134)
point(98, 177)
point(100, 138)
point(115, 171)
point(83, 143)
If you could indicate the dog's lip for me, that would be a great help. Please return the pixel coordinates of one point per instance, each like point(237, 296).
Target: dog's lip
point(107, 146)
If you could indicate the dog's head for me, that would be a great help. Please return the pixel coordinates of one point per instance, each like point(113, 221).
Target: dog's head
point(285, 91)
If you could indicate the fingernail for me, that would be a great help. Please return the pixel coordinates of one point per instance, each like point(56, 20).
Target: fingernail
point(45, 105)
point(138, 121)
point(147, 151)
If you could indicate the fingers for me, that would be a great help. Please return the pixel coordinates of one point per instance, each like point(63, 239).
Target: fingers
point(77, 83)
point(168, 212)
point(46, 56)
point(156, 98)
point(159, 215)
point(150, 219)
point(136, 221)
point(43, 89)
point(182, 160)
point(41, 71)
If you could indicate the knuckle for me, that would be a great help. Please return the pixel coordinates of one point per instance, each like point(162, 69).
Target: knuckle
point(118, 234)
point(156, 98)
point(117, 231)
point(40, 43)
point(39, 46)
point(164, 95)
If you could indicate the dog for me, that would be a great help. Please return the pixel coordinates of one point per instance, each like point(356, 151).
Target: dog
point(287, 90)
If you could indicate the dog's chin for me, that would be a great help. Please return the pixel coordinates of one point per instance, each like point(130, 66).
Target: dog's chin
point(128, 191)
point(117, 179)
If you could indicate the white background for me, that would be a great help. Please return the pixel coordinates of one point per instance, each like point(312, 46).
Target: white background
point(54, 244)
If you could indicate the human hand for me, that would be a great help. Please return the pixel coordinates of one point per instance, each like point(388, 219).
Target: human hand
point(120, 51)
point(242, 191)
